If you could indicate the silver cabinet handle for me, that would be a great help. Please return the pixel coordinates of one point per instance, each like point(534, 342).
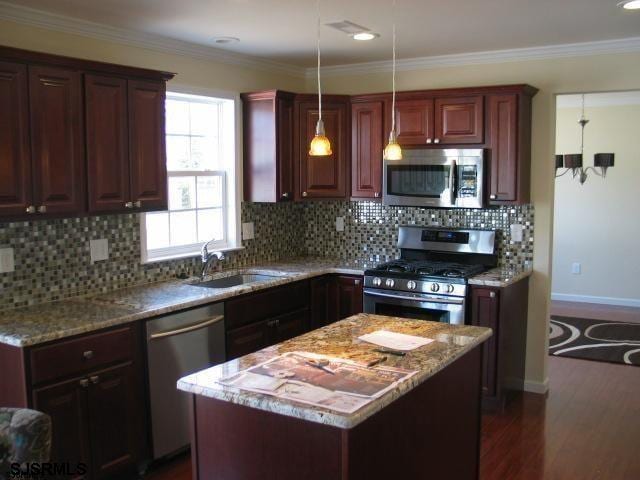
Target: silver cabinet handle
point(88, 354)
point(429, 140)
point(437, 140)
point(190, 328)
point(493, 196)
point(84, 383)
point(42, 209)
point(376, 194)
point(304, 194)
point(94, 379)
point(31, 209)
point(285, 195)
point(128, 205)
point(492, 295)
point(357, 281)
point(137, 204)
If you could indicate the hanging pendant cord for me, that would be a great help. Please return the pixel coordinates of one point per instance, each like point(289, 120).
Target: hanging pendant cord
point(318, 48)
point(393, 80)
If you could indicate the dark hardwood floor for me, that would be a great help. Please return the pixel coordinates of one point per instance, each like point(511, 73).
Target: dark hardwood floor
point(588, 427)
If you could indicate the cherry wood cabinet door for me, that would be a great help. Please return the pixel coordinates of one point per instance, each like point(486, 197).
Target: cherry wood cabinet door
point(248, 339)
point(459, 120)
point(323, 302)
point(147, 153)
point(504, 153)
point(285, 157)
point(323, 177)
point(57, 142)
point(349, 296)
point(66, 404)
point(290, 325)
point(484, 313)
point(15, 151)
point(107, 143)
point(414, 121)
point(113, 420)
point(367, 144)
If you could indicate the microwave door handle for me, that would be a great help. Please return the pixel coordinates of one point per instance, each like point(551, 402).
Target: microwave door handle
point(452, 182)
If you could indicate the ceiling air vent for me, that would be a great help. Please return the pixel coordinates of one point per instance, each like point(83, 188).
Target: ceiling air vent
point(345, 26)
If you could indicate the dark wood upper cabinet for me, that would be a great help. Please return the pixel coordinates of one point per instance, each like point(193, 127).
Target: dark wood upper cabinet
point(15, 151)
point(509, 126)
point(147, 151)
point(459, 120)
point(268, 146)
point(414, 121)
point(57, 144)
point(367, 145)
point(322, 177)
point(107, 143)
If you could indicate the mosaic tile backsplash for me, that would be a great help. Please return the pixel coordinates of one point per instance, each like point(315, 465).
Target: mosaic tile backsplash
point(52, 256)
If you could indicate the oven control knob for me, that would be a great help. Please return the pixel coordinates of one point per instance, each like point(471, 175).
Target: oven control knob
point(411, 285)
point(450, 288)
point(389, 283)
point(376, 282)
point(435, 287)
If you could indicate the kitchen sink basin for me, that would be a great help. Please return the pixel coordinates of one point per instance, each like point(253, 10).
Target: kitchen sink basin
point(234, 280)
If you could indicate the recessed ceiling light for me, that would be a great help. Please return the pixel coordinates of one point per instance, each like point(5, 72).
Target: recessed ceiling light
point(630, 4)
point(363, 36)
point(225, 40)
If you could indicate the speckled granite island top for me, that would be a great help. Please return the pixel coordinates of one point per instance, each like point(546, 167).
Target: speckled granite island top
point(341, 340)
point(36, 324)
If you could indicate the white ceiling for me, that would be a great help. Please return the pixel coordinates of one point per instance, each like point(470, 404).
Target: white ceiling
point(284, 30)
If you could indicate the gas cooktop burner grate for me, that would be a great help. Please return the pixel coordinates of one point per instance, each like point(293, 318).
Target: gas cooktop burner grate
point(433, 269)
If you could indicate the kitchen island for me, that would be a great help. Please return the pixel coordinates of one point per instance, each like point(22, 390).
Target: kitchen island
point(425, 426)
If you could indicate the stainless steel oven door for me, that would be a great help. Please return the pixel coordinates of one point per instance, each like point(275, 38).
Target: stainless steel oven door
point(437, 308)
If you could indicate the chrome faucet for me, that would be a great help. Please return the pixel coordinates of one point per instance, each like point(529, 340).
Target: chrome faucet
point(209, 259)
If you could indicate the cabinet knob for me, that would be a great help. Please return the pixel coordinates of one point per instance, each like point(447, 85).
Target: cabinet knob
point(285, 195)
point(137, 204)
point(437, 140)
point(94, 379)
point(492, 295)
point(304, 194)
point(42, 209)
point(493, 196)
point(429, 140)
point(84, 383)
point(31, 209)
point(88, 354)
point(356, 282)
point(376, 194)
point(128, 205)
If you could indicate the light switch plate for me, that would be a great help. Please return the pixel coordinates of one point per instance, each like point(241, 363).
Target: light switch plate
point(248, 232)
point(339, 224)
point(99, 250)
point(516, 232)
point(576, 268)
point(7, 260)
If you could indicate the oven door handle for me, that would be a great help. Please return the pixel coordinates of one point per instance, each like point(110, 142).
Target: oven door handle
point(452, 182)
point(452, 301)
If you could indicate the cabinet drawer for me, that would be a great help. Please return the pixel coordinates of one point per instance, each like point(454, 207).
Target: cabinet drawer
point(75, 356)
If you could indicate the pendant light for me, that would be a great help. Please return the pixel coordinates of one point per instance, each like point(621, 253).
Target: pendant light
point(393, 151)
point(320, 145)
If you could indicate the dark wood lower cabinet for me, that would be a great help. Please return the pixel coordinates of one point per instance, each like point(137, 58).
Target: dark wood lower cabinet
point(334, 297)
point(349, 296)
point(244, 340)
point(504, 310)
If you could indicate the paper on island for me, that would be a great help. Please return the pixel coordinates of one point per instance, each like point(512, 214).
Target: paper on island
point(395, 341)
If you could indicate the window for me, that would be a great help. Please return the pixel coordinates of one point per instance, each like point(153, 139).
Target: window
point(201, 170)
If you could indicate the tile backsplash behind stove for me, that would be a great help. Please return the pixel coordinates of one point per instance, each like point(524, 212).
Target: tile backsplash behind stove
point(52, 259)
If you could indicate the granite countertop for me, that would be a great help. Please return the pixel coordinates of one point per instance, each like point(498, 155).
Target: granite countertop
point(340, 340)
point(32, 325)
point(500, 277)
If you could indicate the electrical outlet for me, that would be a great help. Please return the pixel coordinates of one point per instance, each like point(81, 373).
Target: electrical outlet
point(516, 232)
point(99, 250)
point(576, 268)
point(7, 260)
point(248, 232)
point(339, 224)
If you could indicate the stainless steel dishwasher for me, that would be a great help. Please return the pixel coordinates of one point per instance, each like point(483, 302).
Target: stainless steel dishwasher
point(177, 345)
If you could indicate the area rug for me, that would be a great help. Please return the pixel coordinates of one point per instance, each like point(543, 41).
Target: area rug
point(615, 342)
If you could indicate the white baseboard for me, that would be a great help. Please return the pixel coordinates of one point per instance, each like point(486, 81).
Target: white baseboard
point(623, 302)
point(536, 387)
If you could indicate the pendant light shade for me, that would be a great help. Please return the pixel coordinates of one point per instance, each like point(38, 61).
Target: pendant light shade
point(320, 145)
point(393, 151)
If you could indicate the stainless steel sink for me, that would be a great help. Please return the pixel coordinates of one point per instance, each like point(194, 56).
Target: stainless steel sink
point(234, 280)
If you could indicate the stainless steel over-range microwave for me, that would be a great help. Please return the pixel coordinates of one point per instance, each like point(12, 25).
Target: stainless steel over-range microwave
point(443, 178)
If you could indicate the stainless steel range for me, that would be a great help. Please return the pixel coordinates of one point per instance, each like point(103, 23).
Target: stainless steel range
point(429, 280)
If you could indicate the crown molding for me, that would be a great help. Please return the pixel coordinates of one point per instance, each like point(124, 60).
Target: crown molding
point(604, 99)
point(62, 23)
point(622, 45)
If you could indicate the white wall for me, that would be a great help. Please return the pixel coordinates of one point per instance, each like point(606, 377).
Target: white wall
point(597, 224)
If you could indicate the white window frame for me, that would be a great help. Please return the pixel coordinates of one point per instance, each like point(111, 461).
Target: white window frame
point(232, 194)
